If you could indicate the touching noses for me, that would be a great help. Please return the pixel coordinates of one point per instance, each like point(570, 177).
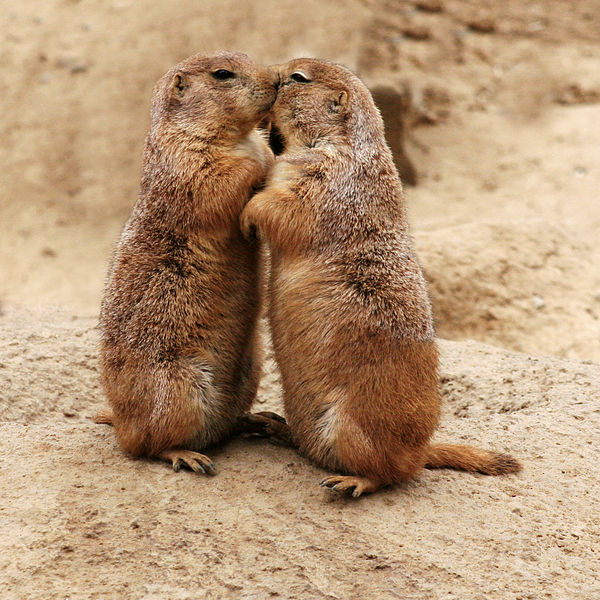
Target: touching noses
point(275, 75)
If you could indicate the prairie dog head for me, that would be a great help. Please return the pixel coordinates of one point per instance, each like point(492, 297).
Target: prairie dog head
point(321, 103)
point(207, 97)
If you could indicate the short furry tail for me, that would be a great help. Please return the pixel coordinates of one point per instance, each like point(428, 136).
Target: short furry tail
point(468, 458)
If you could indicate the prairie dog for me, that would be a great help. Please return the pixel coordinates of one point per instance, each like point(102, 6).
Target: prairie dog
point(348, 306)
point(179, 345)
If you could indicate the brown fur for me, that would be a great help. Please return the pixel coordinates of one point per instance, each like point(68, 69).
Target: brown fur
point(179, 345)
point(348, 307)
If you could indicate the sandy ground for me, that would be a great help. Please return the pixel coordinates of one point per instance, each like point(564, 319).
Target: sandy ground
point(501, 102)
point(83, 520)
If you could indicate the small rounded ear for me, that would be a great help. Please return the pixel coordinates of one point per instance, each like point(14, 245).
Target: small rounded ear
point(179, 84)
point(339, 102)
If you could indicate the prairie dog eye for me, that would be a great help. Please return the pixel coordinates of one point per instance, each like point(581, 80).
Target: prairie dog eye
point(223, 74)
point(300, 77)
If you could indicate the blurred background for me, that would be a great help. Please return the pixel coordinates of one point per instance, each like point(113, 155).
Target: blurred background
point(493, 108)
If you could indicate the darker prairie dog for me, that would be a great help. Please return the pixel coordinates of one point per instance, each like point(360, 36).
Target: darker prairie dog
point(348, 306)
point(179, 344)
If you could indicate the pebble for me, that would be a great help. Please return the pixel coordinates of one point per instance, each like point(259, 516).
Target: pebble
point(538, 302)
point(432, 6)
point(482, 25)
point(416, 32)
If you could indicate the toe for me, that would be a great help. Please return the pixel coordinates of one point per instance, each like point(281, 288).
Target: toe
point(195, 466)
point(272, 416)
point(330, 482)
point(358, 490)
point(209, 468)
point(355, 486)
point(344, 487)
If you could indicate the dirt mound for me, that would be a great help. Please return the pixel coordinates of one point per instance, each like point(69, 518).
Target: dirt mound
point(514, 284)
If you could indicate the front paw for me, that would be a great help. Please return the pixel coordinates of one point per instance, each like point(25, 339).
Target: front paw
point(248, 227)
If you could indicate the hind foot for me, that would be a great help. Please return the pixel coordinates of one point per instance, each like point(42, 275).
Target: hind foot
point(268, 425)
point(347, 484)
point(104, 417)
point(199, 463)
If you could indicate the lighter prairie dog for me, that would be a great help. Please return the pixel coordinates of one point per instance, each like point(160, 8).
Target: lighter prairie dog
point(348, 307)
point(179, 344)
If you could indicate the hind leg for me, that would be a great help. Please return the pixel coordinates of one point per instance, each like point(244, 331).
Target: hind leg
point(350, 450)
point(168, 414)
point(368, 458)
point(176, 453)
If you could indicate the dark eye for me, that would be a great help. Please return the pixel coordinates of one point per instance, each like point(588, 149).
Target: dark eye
point(223, 74)
point(300, 77)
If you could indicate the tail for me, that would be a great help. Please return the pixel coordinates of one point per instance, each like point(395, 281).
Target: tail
point(104, 417)
point(468, 458)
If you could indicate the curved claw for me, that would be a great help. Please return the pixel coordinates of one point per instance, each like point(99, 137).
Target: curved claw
point(199, 463)
point(268, 425)
point(349, 484)
point(271, 415)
